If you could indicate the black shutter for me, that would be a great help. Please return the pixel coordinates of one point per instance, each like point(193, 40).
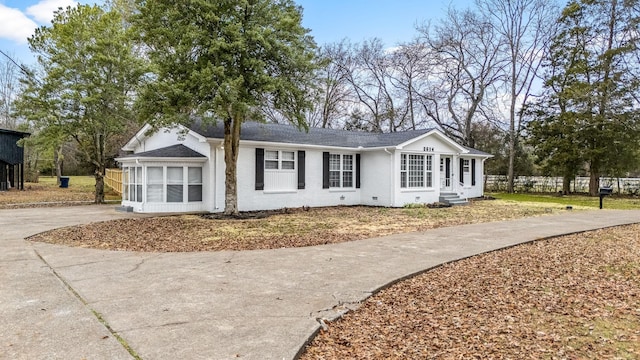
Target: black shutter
point(473, 172)
point(259, 169)
point(301, 156)
point(357, 171)
point(461, 171)
point(325, 170)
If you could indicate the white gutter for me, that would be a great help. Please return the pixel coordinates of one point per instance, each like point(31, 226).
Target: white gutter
point(393, 177)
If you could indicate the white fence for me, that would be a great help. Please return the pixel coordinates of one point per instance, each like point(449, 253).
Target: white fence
point(549, 184)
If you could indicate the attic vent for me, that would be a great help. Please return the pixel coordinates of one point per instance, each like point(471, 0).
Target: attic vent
point(428, 149)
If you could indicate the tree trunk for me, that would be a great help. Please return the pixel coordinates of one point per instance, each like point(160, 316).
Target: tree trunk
point(99, 176)
point(510, 171)
point(566, 185)
point(512, 125)
point(231, 147)
point(58, 163)
point(99, 171)
point(594, 182)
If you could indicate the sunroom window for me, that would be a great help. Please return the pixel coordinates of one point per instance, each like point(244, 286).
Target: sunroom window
point(195, 184)
point(175, 183)
point(155, 184)
point(132, 178)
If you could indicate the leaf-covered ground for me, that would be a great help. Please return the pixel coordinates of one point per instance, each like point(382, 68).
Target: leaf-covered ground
point(296, 228)
point(47, 193)
point(573, 297)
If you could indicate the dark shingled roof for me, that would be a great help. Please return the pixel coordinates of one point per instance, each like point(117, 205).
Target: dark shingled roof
point(174, 151)
point(473, 151)
point(316, 136)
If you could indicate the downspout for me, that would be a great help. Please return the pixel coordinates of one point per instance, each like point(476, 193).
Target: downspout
point(212, 177)
point(484, 176)
point(392, 189)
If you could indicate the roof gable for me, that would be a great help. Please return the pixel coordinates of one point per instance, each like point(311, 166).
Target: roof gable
point(442, 137)
point(147, 131)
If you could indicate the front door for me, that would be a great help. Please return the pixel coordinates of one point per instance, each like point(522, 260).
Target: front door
point(445, 173)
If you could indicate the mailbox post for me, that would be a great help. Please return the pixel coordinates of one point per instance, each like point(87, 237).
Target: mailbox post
point(604, 191)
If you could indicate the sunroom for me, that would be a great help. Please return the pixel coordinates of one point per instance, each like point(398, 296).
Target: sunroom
point(169, 179)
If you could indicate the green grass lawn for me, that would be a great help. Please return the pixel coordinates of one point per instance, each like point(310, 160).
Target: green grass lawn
point(610, 202)
point(77, 185)
point(84, 183)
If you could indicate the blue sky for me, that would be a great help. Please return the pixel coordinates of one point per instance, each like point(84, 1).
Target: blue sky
point(329, 20)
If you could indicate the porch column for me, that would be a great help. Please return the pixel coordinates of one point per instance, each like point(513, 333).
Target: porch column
point(455, 177)
point(437, 172)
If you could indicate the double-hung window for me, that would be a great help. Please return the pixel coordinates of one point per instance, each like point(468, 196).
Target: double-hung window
point(340, 170)
point(416, 171)
point(279, 160)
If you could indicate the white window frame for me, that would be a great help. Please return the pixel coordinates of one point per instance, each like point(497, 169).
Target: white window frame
point(345, 171)
point(280, 160)
point(125, 183)
point(466, 166)
point(161, 184)
point(416, 171)
point(133, 183)
point(176, 183)
point(189, 184)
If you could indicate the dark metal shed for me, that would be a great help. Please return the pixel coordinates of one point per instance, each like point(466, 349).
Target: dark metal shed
point(11, 159)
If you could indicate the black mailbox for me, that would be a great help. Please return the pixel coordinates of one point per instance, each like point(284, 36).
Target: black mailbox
point(604, 191)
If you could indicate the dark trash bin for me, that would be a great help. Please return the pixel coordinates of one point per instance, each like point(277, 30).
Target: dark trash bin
point(64, 181)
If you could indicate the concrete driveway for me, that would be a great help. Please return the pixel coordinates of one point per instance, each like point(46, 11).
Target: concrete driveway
point(73, 303)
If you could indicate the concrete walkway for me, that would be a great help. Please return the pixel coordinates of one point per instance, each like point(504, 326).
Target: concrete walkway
point(261, 304)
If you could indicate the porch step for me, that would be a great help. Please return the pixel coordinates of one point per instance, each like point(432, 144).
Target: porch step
point(452, 199)
point(124, 209)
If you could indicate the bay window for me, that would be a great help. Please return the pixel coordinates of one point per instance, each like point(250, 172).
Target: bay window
point(416, 171)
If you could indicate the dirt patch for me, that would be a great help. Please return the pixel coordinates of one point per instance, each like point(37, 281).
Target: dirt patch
point(573, 297)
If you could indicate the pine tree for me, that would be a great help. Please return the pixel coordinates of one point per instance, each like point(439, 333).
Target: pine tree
point(589, 113)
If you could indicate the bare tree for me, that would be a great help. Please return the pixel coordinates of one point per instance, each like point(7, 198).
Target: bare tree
point(9, 88)
point(466, 65)
point(368, 72)
point(333, 93)
point(525, 27)
point(409, 73)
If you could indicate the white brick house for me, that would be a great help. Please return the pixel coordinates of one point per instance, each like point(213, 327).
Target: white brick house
point(182, 169)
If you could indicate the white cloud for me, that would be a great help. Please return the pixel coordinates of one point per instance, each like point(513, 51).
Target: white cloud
point(15, 25)
point(42, 12)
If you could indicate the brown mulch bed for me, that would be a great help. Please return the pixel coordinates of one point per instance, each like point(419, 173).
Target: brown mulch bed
point(573, 297)
point(296, 228)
